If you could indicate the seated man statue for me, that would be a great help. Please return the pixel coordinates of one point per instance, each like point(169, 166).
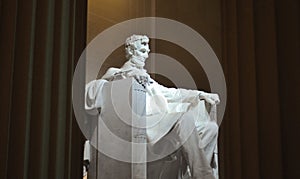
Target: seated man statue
point(196, 137)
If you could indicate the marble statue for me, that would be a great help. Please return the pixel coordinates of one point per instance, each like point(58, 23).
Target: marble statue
point(182, 113)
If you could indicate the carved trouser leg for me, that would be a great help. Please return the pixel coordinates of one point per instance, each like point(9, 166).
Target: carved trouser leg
point(193, 147)
point(197, 149)
point(208, 133)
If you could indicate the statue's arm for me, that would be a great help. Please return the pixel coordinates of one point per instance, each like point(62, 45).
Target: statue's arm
point(126, 71)
point(176, 94)
point(187, 95)
point(111, 73)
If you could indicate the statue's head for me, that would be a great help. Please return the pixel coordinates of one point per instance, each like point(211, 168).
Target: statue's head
point(136, 46)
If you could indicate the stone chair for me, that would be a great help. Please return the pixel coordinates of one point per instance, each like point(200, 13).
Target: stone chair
point(118, 130)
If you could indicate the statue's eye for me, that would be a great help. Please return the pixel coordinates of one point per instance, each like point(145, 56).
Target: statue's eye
point(144, 43)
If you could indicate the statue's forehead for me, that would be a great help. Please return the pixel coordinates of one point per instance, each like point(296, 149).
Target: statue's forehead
point(141, 40)
point(144, 39)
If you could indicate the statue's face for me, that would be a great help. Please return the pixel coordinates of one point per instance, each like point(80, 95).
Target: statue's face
point(142, 48)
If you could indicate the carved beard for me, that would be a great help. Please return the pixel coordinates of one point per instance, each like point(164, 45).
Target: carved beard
point(138, 62)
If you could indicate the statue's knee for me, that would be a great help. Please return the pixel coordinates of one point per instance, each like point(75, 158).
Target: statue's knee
point(212, 127)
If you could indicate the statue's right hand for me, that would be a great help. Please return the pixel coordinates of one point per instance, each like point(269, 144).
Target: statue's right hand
point(139, 74)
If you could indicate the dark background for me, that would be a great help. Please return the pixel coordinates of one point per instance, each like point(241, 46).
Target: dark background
point(257, 43)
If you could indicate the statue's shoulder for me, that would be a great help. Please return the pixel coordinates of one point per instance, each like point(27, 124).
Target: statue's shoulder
point(127, 66)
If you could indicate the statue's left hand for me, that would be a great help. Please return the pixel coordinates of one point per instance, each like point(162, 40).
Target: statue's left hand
point(211, 98)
